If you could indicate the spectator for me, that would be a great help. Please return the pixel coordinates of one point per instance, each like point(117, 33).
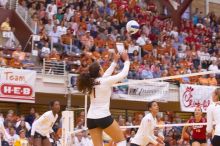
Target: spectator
point(10, 117)
point(203, 80)
point(3, 61)
point(3, 142)
point(22, 124)
point(5, 26)
point(54, 55)
point(142, 40)
point(12, 137)
point(15, 62)
point(31, 117)
point(87, 141)
point(22, 8)
point(52, 6)
point(213, 66)
point(133, 132)
point(59, 17)
point(146, 73)
point(22, 141)
point(18, 53)
point(45, 51)
point(129, 121)
point(78, 139)
point(97, 27)
point(67, 42)
point(212, 80)
point(55, 38)
point(32, 10)
point(80, 125)
point(48, 28)
point(3, 3)
point(87, 40)
point(27, 63)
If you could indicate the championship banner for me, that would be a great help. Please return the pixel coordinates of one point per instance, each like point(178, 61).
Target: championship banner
point(195, 95)
point(17, 85)
point(145, 92)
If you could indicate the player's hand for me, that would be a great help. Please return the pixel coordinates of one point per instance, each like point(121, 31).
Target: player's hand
point(116, 57)
point(209, 135)
point(159, 141)
point(217, 103)
point(161, 137)
point(125, 56)
point(159, 144)
point(181, 141)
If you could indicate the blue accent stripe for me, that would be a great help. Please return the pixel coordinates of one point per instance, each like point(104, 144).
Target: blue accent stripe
point(135, 26)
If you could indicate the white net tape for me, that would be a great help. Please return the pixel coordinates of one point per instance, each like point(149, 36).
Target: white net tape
point(160, 126)
point(133, 82)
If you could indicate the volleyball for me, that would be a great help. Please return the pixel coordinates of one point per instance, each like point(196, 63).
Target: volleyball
point(186, 136)
point(132, 27)
point(109, 1)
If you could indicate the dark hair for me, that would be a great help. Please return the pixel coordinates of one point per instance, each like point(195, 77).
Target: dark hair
point(198, 107)
point(150, 104)
point(217, 92)
point(86, 81)
point(53, 102)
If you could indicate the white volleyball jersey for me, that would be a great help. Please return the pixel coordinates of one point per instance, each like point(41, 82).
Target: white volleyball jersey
point(100, 96)
point(145, 133)
point(44, 124)
point(213, 116)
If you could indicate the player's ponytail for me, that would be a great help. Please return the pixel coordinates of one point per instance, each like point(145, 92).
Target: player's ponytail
point(86, 81)
point(217, 92)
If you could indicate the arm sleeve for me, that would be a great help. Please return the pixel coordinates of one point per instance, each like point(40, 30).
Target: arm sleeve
point(150, 133)
point(51, 130)
point(33, 128)
point(110, 70)
point(41, 121)
point(209, 120)
point(120, 76)
point(17, 124)
point(160, 133)
point(27, 126)
point(4, 132)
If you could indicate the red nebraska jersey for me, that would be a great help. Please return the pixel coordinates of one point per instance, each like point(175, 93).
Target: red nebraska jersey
point(199, 131)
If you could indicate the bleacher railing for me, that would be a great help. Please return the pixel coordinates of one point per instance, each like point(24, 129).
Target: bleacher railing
point(24, 15)
point(53, 67)
point(12, 4)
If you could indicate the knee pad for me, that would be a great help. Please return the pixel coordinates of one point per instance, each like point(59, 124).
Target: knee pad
point(122, 143)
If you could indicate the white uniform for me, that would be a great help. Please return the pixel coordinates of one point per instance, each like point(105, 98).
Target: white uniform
point(213, 115)
point(145, 133)
point(44, 124)
point(100, 96)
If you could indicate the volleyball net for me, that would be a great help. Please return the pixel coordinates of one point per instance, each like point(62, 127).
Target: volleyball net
point(209, 78)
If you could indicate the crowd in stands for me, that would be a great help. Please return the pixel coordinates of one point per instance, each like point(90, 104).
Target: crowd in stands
point(81, 31)
point(17, 129)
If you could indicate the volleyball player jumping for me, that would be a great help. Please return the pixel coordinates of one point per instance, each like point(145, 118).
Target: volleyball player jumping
point(99, 86)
